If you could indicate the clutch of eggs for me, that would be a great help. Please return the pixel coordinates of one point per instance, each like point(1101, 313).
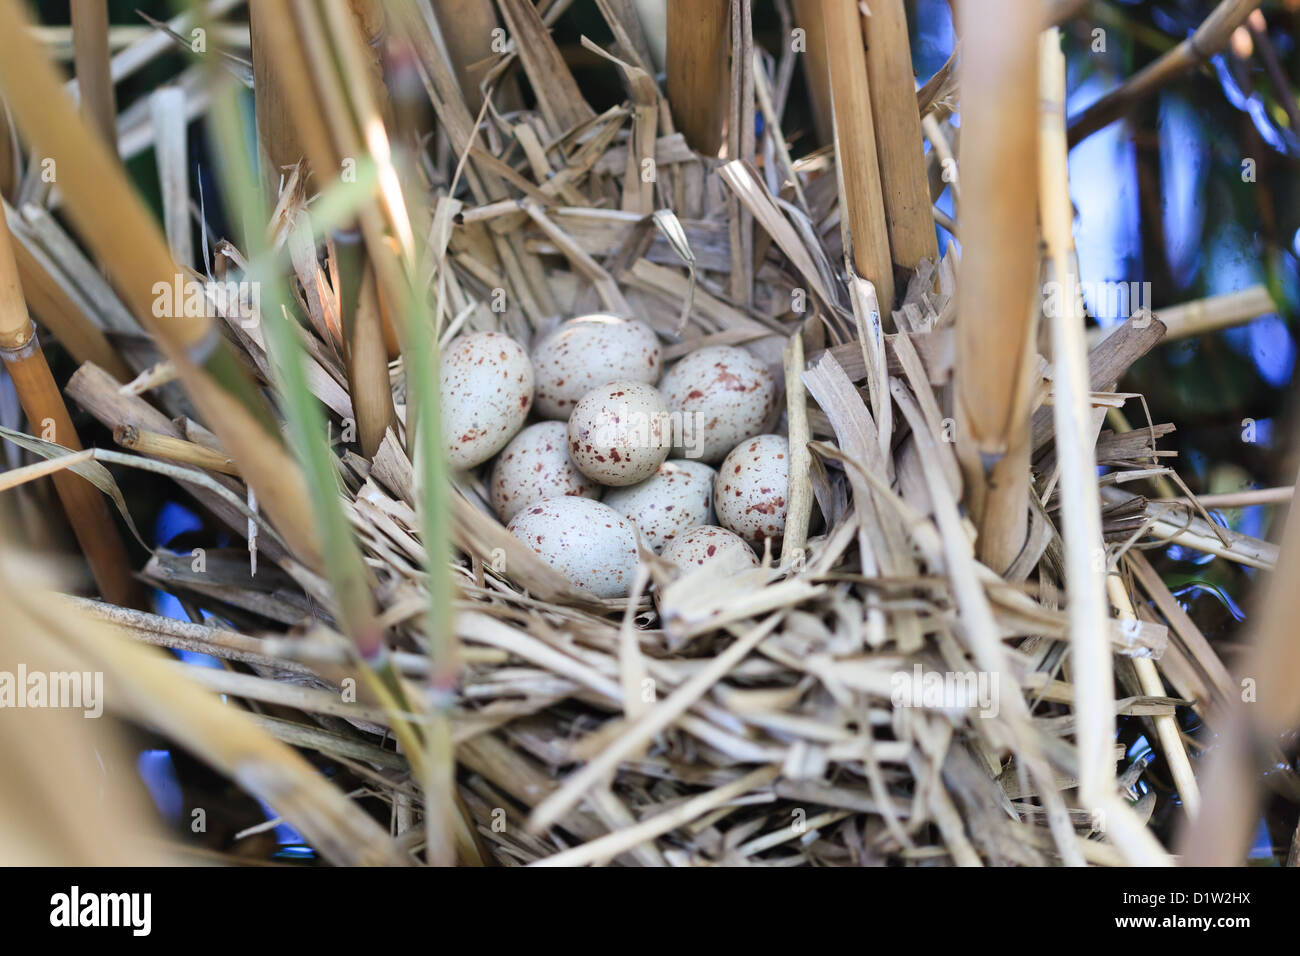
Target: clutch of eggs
point(612, 423)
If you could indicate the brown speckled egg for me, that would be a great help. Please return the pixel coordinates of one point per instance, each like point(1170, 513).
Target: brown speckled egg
point(591, 544)
point(723, 395)
point(676, 497)
point(752, 486)
point(589, 351)
point(717, 549)
point(536, 465)
point(487, 390)
point(619, 433)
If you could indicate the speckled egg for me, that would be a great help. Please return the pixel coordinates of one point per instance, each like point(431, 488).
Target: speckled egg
point(487, 390)
point(752, 486)
point(717, 549)
point(589, 351)
point(620, 433)
point(676, 497)
point(723, 395)
point(591, 544)
point(534, 466)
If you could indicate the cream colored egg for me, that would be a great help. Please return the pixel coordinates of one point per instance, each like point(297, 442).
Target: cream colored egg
point(675, 498)
point(619, 433)
point(752, 488)
point(719, 396)
point(720, 551)
point(487, 390)
point(589, 351)
point(591, 544)
point(534, 466)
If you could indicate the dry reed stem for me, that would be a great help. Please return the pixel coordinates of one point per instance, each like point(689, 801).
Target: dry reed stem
point(467, 27)
point(856, 155)
point(698, 45)
point(91, 56)
point(1203, 316)
point(173, 449)
point(898, 136)
point(996, 304)
point(808, 17)
point(47, 415)
point(1092, 673)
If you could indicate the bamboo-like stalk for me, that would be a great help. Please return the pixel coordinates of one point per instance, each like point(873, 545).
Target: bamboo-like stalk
point(898, 135)
point(698, 42)
point(277, 133)
point(173, 449)
point(996, 303)
point(855, 147)
point(91, 59)
point(1202, 316)
point(1210, 37)
point(366, 358)
point(48, 417)
point(57, 311)
point(1243, 499)
point(467, 26)
point(808, 17)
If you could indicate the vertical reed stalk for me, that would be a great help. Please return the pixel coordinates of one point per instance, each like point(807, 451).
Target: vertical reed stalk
point(1093, 676)
point(898, 136)
point(855, 147)
point(698, 41)
point(91, 59)
point(808, 17)
point(997, 307)
point(47, 416)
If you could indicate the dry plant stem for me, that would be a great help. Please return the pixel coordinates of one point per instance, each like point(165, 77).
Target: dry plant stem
point(800, 493)
point(277, 136)
point(607, 847)
point(996, 305)
point(173, 449)
point(855, 147)
point(106, 209)
point(1243, 499)
point(47, 416)
point(808, 16)
point(1090, 652)
point(898, 135)
point(1171, 740)
point(1210, 37)
point(467, 27)
point(65, 320)
point(150, 689)
point(698, 45)
point(91, 58)
point(1203, 316)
